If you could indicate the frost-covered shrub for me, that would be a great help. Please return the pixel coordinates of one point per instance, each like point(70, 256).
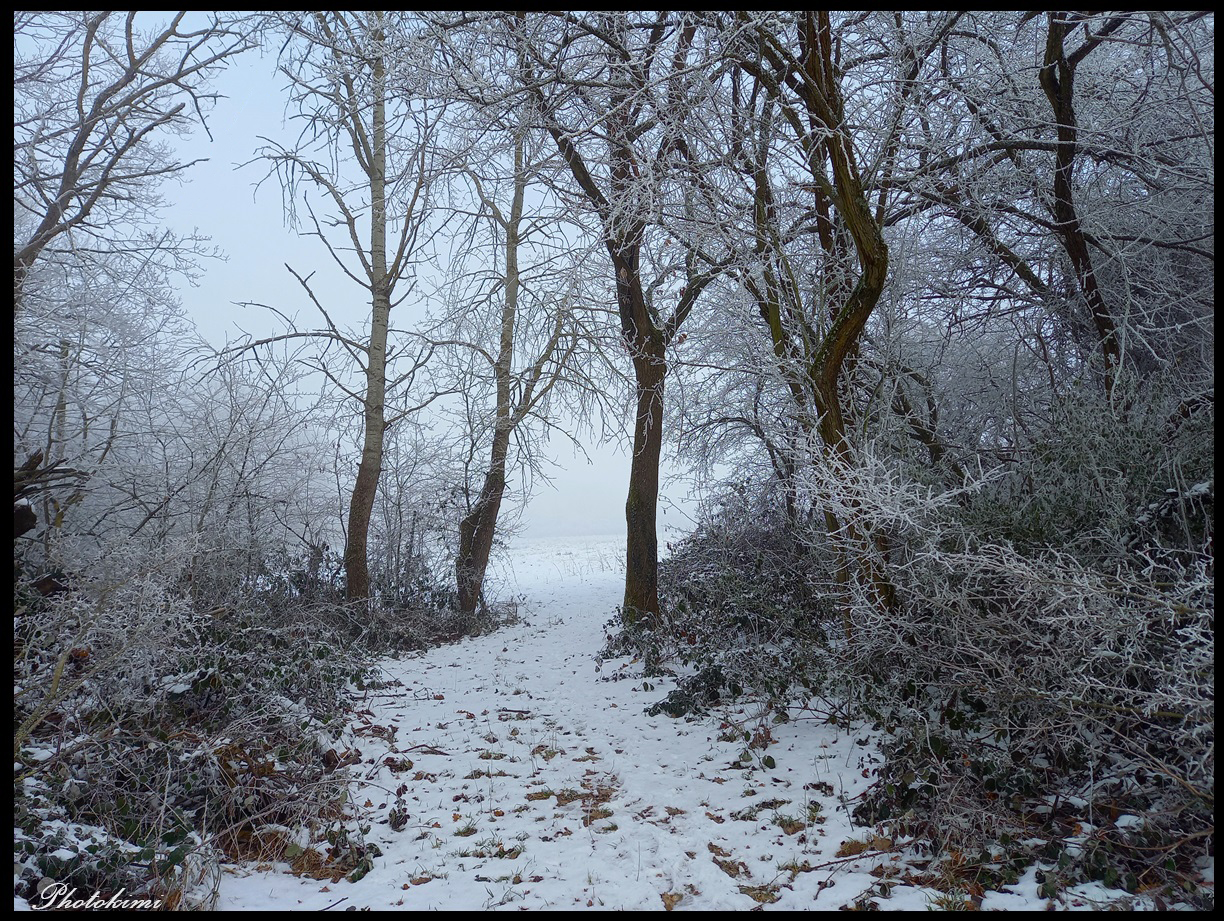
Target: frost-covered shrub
point(1094, 481)
point(302, 575)
point(162, 723)
point(1028, 680)
point(1004, 677)
point(1046, 663)
point(737, 614)
point(417, 611)
point(150, 734)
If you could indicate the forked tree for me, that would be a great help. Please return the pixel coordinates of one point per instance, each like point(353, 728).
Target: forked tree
point(814, 337)
point(518, 304)
point(614, 91)
point(366, 147)
point(518, 390)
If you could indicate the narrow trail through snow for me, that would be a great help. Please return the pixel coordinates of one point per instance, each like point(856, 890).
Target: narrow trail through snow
point(529, 780)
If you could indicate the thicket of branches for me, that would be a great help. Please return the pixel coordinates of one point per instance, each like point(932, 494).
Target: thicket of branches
point(183, 649)
point(1011, 551)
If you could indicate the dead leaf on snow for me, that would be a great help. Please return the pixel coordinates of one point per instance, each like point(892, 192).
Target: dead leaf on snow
point(854, 847)
point(734, 869)
point(670, 899)
point(763, 895)
point(851, 848)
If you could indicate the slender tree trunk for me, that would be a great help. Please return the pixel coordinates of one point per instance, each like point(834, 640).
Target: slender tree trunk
point(645, 333)
point(361, 506)
point(1057, 79)
point(477, 529)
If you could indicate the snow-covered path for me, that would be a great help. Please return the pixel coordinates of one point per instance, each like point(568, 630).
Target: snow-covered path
point(529, 782)
point(534, 784)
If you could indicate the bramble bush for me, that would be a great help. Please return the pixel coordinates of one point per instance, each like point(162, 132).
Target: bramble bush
point(1047, 669)
point(1054, 676)
point(738, 614)
point(158, 733)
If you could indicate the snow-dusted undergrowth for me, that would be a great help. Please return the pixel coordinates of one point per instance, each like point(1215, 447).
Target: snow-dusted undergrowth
point(505, 771)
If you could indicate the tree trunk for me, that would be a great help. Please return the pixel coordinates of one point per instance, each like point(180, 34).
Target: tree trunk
point(642, 544)
point(361, 507)
point(1057, 78)
point(644, 332)
point(647, 345)
point(815, 357)
point(477, 529)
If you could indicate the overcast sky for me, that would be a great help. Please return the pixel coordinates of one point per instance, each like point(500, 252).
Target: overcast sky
point(219, 199)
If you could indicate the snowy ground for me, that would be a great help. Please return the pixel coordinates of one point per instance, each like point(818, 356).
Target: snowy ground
point(534, 784)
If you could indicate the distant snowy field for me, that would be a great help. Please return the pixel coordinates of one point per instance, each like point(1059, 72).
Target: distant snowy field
point(538, 566)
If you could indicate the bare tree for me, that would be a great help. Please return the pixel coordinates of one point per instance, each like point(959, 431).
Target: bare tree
point(367, 148)
point(92, 353)
point(95, 95)
point(1070, 169)
point(519, 326)
point(816, 331)
point(518, 391)
point(614, 91)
